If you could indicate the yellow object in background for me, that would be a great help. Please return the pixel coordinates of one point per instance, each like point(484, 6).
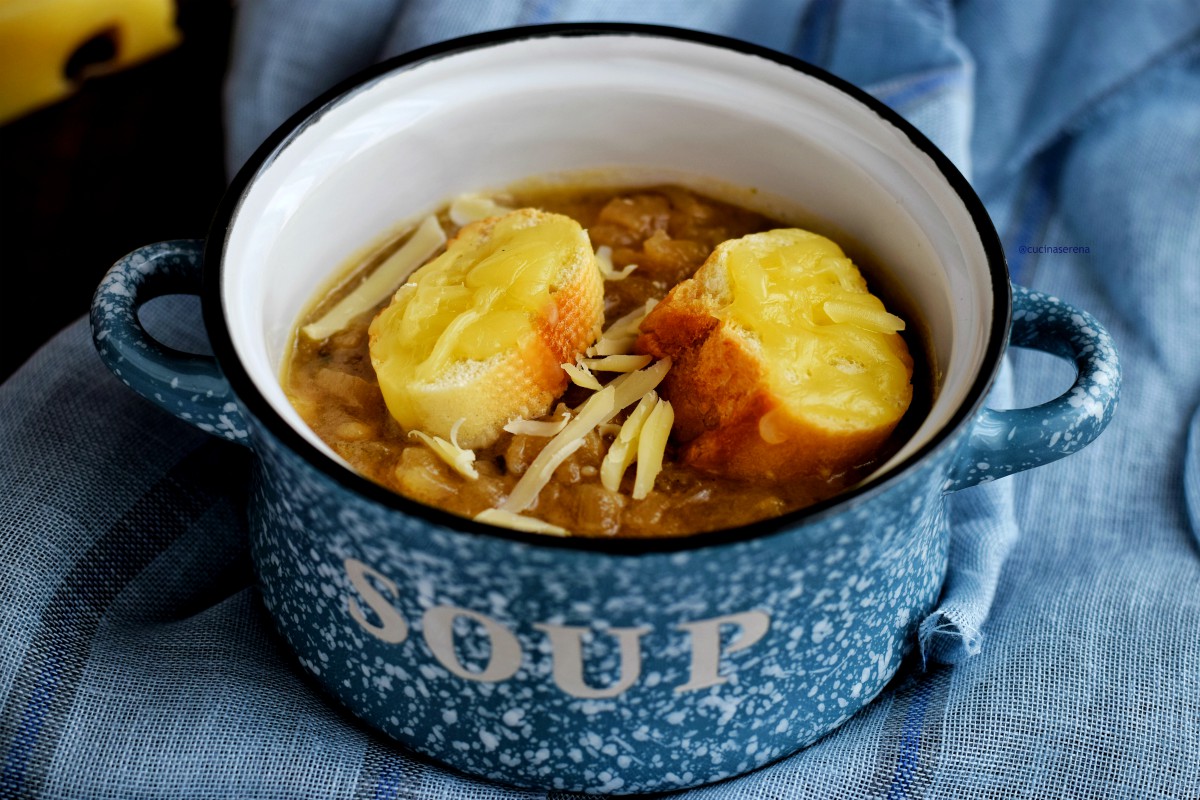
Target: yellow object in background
point(44, 43)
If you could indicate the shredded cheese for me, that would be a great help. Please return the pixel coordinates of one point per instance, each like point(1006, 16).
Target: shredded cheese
point(631, 386)
point(517, 522)
point(623, 391)
point(598, 408)
point(460, 460)
point(381, 283)
point(607, 270)
point(864, 315)
point(623, 451)
point(619, 338)
point(468, 208)
point(612, 346)
point(581, 376)
point(629, 323)
point(652, 444)
point(532, 427)
point(620, 363)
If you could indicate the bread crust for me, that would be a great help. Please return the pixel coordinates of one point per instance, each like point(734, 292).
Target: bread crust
point(728, 421)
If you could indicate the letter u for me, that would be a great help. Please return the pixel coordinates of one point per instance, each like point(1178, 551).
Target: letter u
point(566, 644)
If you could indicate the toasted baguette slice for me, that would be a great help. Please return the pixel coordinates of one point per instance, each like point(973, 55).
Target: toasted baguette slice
point(479, 333)
point(766, 384)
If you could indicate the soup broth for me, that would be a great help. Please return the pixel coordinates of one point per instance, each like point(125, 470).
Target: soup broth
point(667, 232)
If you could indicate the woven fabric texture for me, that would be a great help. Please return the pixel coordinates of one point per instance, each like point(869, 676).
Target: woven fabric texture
point(1064, 660)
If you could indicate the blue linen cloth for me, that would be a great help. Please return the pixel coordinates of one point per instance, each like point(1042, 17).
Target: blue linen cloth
point(136, 660)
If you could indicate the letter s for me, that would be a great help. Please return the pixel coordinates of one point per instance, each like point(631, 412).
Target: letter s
point(393, 629)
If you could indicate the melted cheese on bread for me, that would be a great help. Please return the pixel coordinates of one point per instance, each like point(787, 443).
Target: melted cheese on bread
point(480, 332)
point(785, 363)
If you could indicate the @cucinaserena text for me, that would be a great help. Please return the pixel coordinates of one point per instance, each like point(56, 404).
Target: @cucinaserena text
point(1039, 249)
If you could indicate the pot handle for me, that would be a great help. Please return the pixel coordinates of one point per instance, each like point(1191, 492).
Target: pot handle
point(189, 386)
point(1004, 442)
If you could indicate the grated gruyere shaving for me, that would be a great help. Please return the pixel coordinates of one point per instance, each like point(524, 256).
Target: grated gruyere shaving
point(620, 363)
point(623, 451)
point(468, 208)
point(632, 386)
point(864, 316)
point(381, 283)
point(532, 427)
point(612, 346)
point(597, 409)
point(652, 445)
point(517, 522)
point(629, 323)
point(618, 339)
point(581, 376)
point(607, 270)
point(460, 460)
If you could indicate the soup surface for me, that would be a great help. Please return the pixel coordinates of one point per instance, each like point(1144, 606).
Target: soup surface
point(667, 232)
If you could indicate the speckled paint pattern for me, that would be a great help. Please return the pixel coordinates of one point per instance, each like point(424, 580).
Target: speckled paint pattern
point(842, 598)
point(189, 386)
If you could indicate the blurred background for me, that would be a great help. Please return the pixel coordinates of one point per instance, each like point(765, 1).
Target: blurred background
point(131, 154)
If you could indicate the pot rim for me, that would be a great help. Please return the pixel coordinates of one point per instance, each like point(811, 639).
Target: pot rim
point(257, 406)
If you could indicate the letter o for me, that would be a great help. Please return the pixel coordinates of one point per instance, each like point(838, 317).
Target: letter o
point(438, 627)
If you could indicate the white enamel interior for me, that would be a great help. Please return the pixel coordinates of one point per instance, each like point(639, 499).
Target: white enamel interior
point(643, 105)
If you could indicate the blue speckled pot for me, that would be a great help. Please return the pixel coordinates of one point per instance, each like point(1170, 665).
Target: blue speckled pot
point(580, 664)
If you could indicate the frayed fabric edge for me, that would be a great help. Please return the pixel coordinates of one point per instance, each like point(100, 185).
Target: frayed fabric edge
point(944, 640)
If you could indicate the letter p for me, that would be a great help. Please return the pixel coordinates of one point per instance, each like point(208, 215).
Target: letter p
point(706, 645)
